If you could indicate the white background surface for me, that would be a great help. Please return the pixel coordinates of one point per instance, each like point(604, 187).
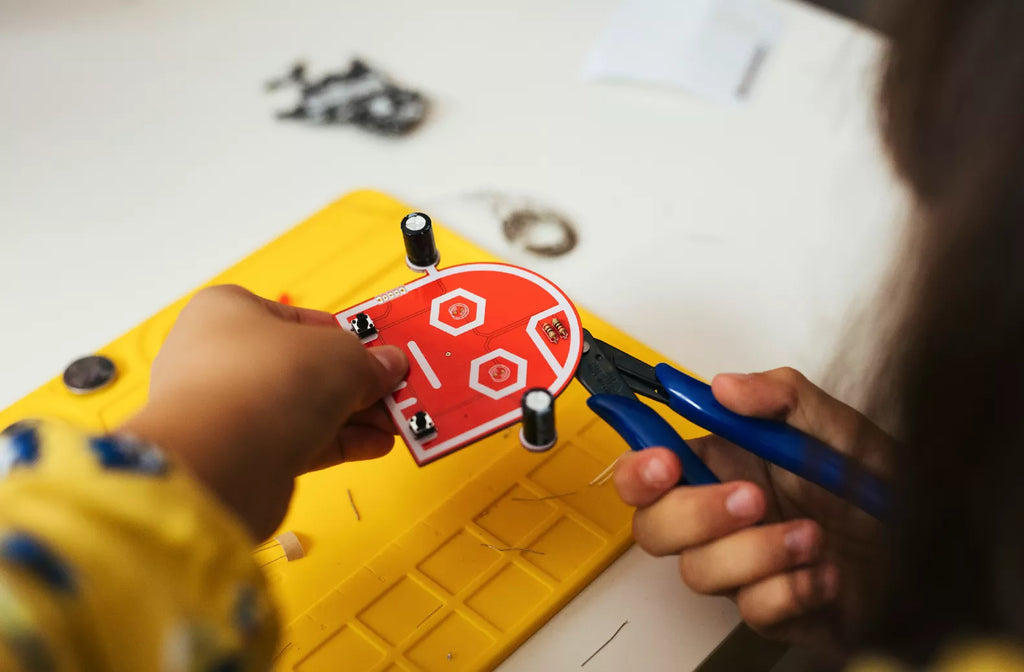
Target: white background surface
point(139, 156)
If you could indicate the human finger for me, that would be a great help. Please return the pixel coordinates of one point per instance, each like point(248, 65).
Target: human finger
point(375, 416)
point(359, 442)
point(241, 297)
point(692, 516)
point(353, 443)
point(784, 596)
point(785, 394)
point(297, 314)
point(642, 477)
point(356, 377)
point(749, 555)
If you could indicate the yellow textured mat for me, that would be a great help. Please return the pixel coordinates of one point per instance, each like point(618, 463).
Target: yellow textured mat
point(405, 568)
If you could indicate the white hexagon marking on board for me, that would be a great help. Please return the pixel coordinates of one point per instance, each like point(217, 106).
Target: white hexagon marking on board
point(514, 386)
point(437, 320)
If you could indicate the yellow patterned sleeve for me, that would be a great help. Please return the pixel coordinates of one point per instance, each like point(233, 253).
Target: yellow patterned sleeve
point(113, 558)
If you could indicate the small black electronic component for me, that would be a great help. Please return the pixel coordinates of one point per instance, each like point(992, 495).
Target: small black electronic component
point(420, 248)
point(363, 326)
point(538, 433)
point(89, 374)
point(422, 425)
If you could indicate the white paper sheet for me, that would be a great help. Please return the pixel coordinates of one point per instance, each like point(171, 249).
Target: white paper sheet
point(711, 48)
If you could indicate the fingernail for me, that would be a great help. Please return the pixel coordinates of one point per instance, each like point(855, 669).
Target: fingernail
point(739, 376)
point(656, 472)
point(390, 358)
point(800, 540)
point(742, 503)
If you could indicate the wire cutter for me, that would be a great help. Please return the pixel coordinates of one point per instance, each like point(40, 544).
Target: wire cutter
point(615, 378)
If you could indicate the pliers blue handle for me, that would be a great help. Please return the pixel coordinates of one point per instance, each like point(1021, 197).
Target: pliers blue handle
point(775, 442)
point(642, 427)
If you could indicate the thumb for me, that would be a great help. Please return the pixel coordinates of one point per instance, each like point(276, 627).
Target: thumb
point(391, 367)
point(785, 394)
point(355, 376)
point(779, 394)
point(394, 363)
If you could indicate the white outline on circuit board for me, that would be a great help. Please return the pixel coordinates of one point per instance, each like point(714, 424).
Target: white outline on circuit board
point(531, 331)
point(435, 312)
point(518, 384)
point(428, 370)
point(406, 403)
point(563, 374)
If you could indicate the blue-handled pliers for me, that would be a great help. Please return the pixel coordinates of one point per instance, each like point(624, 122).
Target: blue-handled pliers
point(614, 378)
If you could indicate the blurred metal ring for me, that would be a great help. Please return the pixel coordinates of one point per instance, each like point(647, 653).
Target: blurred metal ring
point(518, 224)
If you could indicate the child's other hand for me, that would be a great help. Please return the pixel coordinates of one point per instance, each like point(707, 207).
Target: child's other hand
point(250, 393)
point(795, 577)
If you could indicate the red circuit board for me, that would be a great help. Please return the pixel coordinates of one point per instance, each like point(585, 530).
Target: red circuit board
point(477, 336)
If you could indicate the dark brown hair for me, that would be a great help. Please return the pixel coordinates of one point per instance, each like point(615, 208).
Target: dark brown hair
point(952, 113)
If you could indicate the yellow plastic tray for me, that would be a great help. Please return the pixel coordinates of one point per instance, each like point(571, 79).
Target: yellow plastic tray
point(415, 581)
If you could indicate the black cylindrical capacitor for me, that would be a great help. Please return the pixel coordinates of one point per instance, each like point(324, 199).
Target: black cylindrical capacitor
point(420, 248)
point(538, 432)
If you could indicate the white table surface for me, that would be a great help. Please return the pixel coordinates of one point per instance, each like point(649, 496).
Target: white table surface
point(139, 156)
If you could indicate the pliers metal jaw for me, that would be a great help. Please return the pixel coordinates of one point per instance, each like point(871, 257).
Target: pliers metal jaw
point(614, 378)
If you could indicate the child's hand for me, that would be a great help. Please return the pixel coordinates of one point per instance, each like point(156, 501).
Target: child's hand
point(806, 559)
point(250, 393)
